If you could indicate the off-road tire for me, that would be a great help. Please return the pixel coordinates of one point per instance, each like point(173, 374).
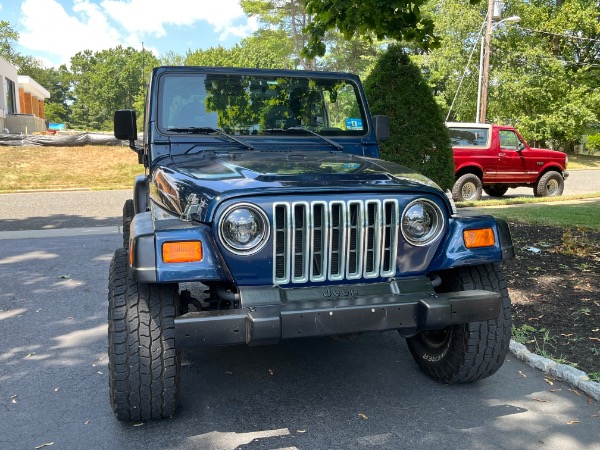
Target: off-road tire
point(128, 213)
point(495, 190)
point(472, 351)
point(551, 184)
point(143, 364)
point(467, 188)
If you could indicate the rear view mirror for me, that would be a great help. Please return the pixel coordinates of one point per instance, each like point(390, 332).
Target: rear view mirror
point(520, 147)
point(125, 125)
point(382, 127)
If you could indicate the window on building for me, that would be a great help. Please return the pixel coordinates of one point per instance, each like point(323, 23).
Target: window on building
point(9, 92)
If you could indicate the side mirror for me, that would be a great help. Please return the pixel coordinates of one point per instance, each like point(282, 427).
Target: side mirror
point(382, 127)
point(520, 147)
point(125, 125)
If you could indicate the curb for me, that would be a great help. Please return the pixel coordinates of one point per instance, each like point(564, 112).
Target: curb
point(562, 372)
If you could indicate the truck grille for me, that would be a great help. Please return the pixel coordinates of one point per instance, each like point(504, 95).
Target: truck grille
point(336, 240)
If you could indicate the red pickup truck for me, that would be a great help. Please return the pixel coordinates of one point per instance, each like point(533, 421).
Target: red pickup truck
point(494, 158)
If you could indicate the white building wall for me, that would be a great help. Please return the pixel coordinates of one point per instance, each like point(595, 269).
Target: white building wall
point(9, 71)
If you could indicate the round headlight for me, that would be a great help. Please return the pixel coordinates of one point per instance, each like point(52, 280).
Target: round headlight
point(422, 222)
point(244, 229)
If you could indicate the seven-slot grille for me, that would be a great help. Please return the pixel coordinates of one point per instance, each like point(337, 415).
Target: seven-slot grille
point(336, 240)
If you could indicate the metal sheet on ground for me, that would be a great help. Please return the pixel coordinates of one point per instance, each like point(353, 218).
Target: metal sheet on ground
point(302, 394)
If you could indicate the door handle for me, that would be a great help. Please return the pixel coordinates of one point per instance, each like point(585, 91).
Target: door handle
point(501, 154)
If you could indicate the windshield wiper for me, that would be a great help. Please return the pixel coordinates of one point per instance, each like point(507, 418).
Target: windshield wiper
point(301, 128)
point(206, 130)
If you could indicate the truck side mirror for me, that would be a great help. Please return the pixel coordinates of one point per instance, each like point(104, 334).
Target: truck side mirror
point(382, 127)
point(125, 128)
point(125, 125)
point(520, 147)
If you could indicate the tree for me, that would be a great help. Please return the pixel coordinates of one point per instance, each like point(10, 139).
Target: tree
point(171, 58)
point(419, 138)
point(289, 16)
point(400, 20)
point(8, 36)
point(267, 49)
point(547, 71)
point(543, 72)
point(108, 80)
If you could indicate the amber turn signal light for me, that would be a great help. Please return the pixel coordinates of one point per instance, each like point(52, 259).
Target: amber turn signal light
point(483, 237)
point(183, 251)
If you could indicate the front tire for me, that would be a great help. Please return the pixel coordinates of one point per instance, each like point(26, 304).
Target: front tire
point(143, 363)
point(128, 213)
point(467, 188)
point(551, 184)
point(471, 351)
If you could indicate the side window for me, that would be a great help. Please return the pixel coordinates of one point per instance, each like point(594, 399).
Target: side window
point(468, 137)
point(508, 140)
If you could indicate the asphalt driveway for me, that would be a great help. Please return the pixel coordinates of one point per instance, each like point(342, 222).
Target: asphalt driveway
point(303, 394)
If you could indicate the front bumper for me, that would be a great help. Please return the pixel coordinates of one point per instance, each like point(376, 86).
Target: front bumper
point(270, 323)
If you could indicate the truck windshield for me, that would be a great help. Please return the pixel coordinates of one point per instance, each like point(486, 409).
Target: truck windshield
point(260, 105)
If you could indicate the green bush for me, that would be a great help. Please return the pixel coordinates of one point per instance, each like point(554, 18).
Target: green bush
point(593, 143)
point(419, 138)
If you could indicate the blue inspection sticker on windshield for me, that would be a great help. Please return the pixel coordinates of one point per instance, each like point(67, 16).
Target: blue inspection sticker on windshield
point(354, 124)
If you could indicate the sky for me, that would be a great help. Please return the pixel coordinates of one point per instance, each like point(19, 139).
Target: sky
point(54, 30)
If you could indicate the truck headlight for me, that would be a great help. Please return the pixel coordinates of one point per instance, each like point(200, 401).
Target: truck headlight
point(422, 222)
point(244, 229)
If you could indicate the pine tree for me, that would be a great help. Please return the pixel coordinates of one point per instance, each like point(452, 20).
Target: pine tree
point(419, 138)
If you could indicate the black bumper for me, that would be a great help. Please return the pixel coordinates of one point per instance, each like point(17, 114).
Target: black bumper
point(267, 324)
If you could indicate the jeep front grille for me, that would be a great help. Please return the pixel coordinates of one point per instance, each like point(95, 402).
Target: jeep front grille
point(336, 240)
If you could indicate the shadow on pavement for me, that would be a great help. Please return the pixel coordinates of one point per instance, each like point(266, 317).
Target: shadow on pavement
point(57, 221)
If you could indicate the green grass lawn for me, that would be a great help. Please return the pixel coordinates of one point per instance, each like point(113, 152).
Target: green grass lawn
point(88, 167)
point(579, 162)
point(580, 215)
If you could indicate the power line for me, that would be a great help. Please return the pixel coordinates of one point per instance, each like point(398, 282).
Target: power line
point(547, 57)
point(466, 69)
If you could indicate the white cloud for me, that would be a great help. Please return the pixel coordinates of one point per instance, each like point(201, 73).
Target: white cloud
point(49, 28)
point(150, 16)
point(101, 24)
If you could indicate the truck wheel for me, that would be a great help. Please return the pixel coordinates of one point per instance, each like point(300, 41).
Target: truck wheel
point(471, 351)
point(495, 190)
point(128, 213)
point(467, 188)
point(551, 184)
point(143, 364)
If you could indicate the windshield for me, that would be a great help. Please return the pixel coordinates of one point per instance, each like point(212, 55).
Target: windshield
point(259, 105)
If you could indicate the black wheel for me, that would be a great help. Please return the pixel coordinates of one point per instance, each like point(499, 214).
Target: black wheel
point(495, 190)
point(551, 184)
point(143, 364)
point(472, 351)
point(467, 188)
point(128, 213)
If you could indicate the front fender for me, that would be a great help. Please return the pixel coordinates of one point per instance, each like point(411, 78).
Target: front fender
point(146, 262)
point(453, 252)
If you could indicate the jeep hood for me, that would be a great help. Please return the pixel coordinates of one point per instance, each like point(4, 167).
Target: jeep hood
point(213, 177)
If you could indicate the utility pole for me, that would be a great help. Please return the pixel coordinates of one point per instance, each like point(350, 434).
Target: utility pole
point(486, 62)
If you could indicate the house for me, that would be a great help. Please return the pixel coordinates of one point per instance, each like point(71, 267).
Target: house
point(21, 101)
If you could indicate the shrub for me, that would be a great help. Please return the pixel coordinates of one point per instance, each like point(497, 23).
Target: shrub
point(419, 138)
point(593, 143)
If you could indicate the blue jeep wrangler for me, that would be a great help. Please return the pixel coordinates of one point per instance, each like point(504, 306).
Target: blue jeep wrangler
point(265, 214)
